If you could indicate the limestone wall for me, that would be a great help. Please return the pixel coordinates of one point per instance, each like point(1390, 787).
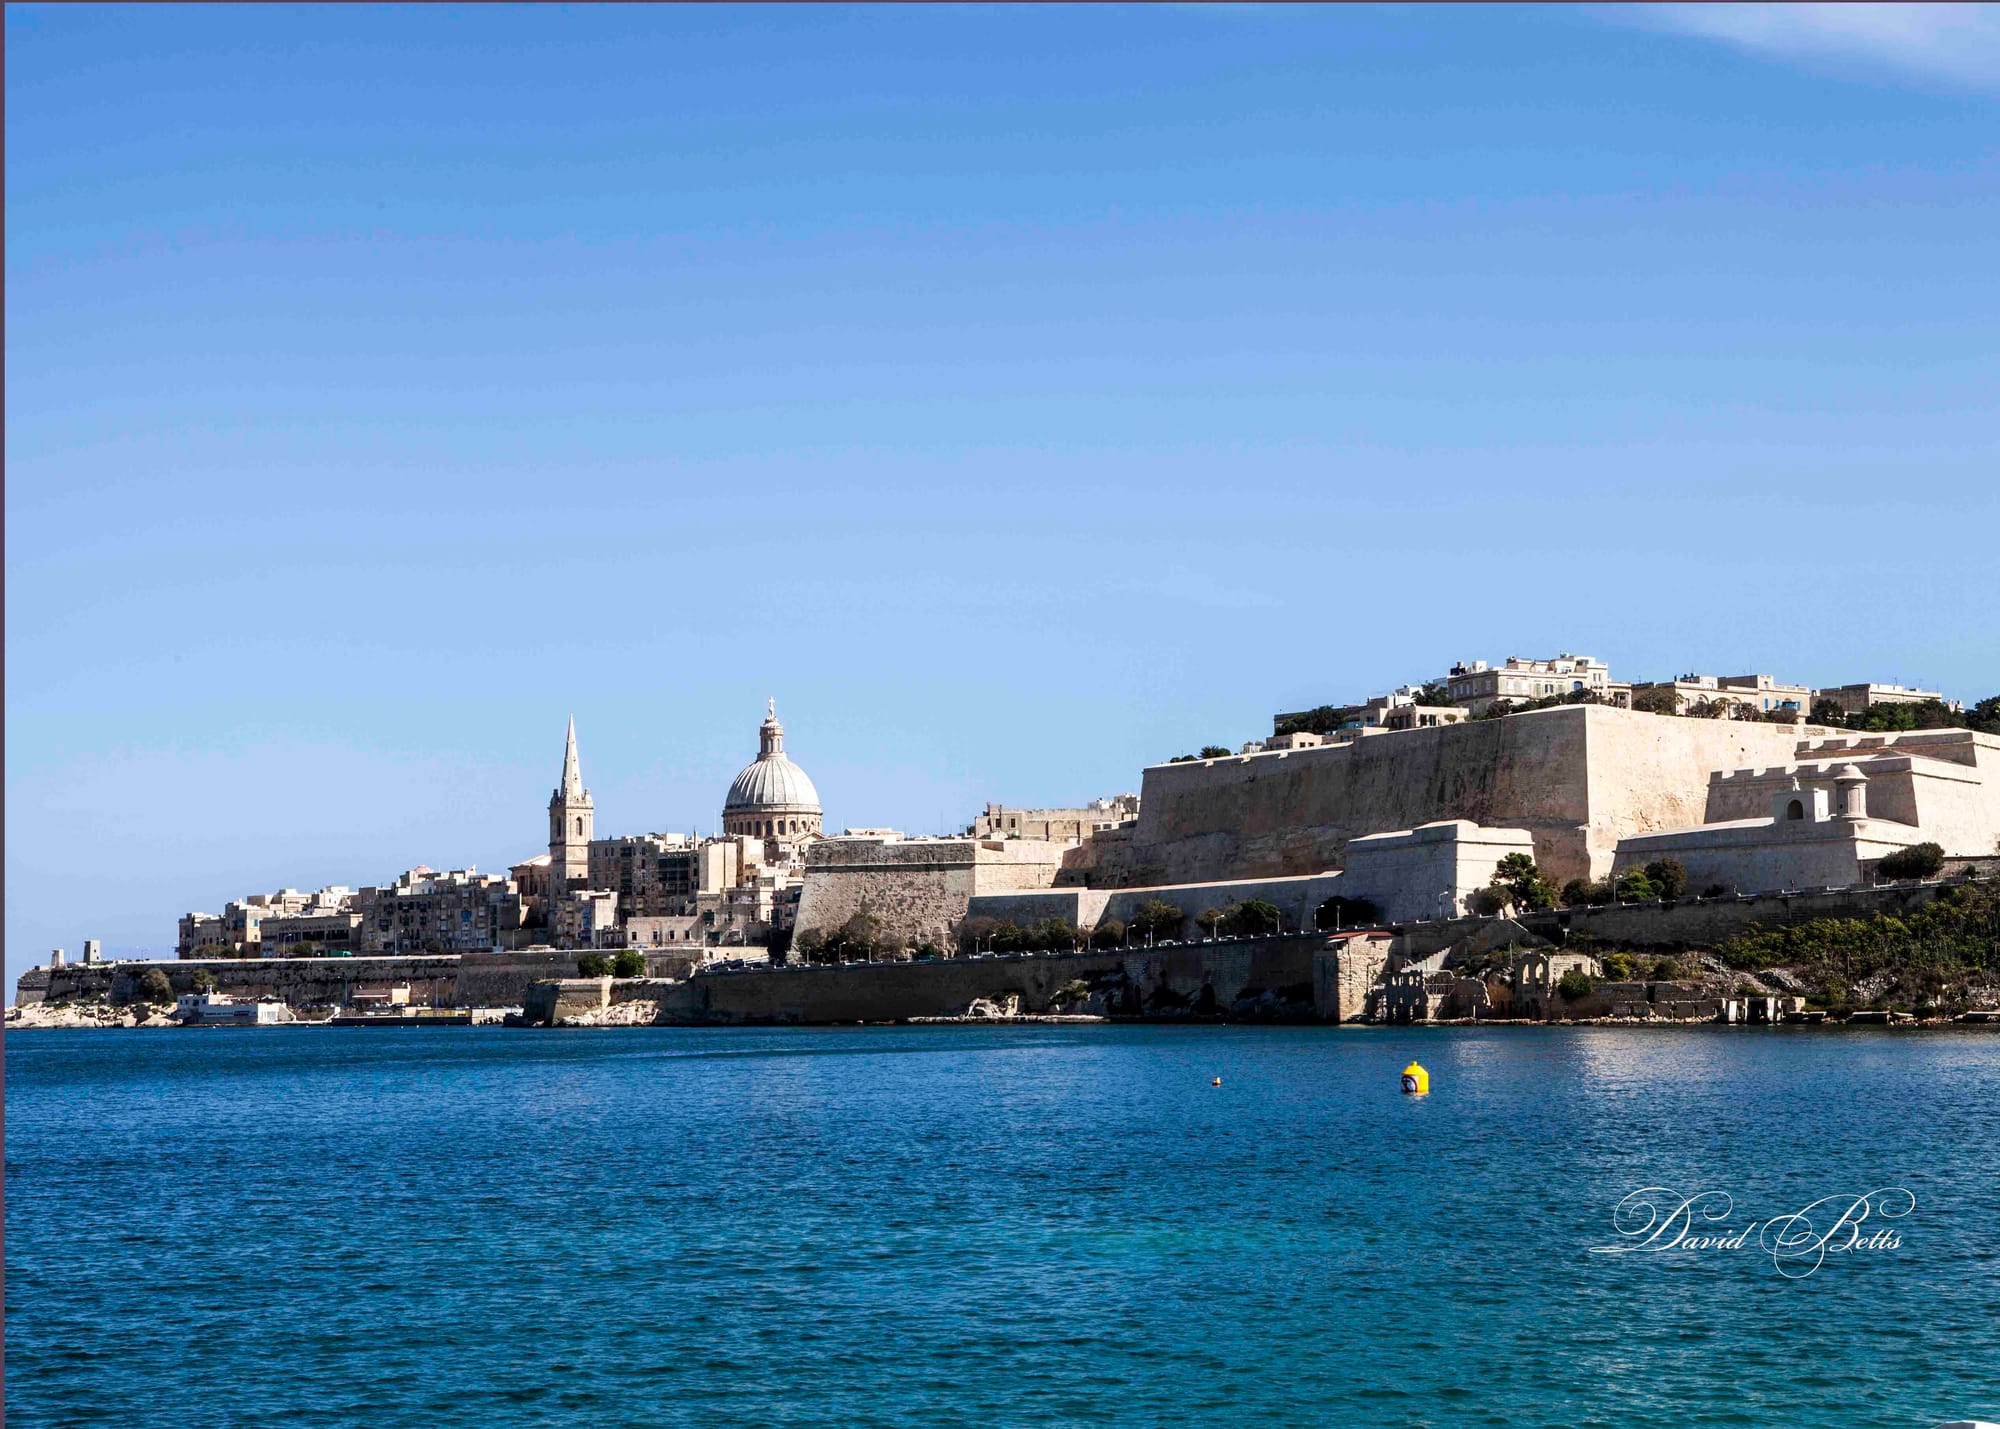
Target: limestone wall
point(441, 979)
point(919, 888)
point(1688, 923)
point(1296, 899)
point(1577, 778)
point(880, 992)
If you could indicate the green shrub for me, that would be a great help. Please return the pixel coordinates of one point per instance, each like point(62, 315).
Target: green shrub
point(1618, 966)
point(628, 962)
point(1585, 892)
point(1158, 919)
point(1669, 877)
point(592, 965)
point(1108, 934)
point(1215, 751)
point(154, 986)
point(201, 980)
point(1574, 985)
point(1923, 860)
point(1253, 918)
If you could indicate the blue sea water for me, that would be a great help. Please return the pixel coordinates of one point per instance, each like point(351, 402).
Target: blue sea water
point(985, 1226)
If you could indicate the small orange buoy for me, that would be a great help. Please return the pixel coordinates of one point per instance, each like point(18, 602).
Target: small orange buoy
point(1216, 1083)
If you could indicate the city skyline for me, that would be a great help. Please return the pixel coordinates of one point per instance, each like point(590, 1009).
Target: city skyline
point(1022, 397)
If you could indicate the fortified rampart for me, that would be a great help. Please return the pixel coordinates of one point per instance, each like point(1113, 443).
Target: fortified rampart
point(1686, 923)
point(919, 888)
point(434, 979)
point(1204, 978)
point(1577, 778)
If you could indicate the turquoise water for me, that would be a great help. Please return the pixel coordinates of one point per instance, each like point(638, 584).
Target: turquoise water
point(942, 1226)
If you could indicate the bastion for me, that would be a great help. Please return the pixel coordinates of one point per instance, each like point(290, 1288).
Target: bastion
point(919, 888)
point(1576, 779)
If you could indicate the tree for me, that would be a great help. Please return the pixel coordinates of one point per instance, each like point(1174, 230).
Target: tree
point(810, 943)
point(592, 965)
point(1215, 751)
point(1209, 919)
point(1523, 883)
point(1254, 918)
point(1108, 934)
point(1618, 966)
point(1185, 759)
point(1922, 860)
point(858, 937)
point(1434, 695)
point(1585, 892)
point(1157, 919)
point(1487, 902)
point(1322, 719)
point(1574, 985)
point(1634, 886)
point(1985, 716)
point(1669, 877)
point(1829, 713)
point(628, 962)
point(154, 987)
point(1660, 701)
point(972, 931)
point(201, 980)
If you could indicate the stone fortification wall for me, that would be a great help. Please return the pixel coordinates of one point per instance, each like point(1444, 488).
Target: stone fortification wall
point(919, 888)
point(1297, 899)
point(441, 979)
point(1688, 923)
point(1169, 978)
point(1576, 778)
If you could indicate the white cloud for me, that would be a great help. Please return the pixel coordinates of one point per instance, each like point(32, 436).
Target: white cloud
point(1957, 43)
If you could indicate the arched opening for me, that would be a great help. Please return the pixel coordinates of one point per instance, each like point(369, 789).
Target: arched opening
point(1795, 810)
point(579, 828)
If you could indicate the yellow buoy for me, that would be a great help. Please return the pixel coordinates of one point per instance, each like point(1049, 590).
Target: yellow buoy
point(1416, 1081)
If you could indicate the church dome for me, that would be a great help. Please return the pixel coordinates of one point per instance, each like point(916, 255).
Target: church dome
point(772, 783)
point(772, 798)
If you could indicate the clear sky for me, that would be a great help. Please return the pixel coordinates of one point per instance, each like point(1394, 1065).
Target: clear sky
point(1020, 396)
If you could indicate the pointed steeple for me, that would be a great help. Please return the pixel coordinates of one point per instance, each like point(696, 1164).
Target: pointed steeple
point(572, 784)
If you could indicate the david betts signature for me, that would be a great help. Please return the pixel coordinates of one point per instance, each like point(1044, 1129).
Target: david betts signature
point(1654, 1220)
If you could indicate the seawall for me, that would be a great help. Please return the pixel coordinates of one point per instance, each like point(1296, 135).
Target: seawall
point(1203, 979)
point(435, 979)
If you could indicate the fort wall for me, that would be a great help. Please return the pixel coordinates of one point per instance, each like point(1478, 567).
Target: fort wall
point(1577, 778)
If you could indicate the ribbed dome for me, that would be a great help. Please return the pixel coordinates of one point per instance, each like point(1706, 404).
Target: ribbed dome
point(773, 784)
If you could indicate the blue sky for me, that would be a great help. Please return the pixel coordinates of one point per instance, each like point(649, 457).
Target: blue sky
point(1019, 396)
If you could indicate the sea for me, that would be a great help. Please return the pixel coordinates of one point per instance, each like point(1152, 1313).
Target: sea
point(1005, 1225)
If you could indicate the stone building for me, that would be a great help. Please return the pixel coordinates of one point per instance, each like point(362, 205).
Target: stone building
point(772, 798)
point(239, 928)
point(654, 875)
point(1825, 817)
point(1576, 778)
point(459, 911)
point(998, 821)
point(1755, 695)
point(1859, 699)
point(919, 888)
point(1477, 686)
point(572, 820)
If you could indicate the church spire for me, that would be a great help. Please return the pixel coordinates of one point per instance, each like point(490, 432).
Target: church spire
point(572, 784)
